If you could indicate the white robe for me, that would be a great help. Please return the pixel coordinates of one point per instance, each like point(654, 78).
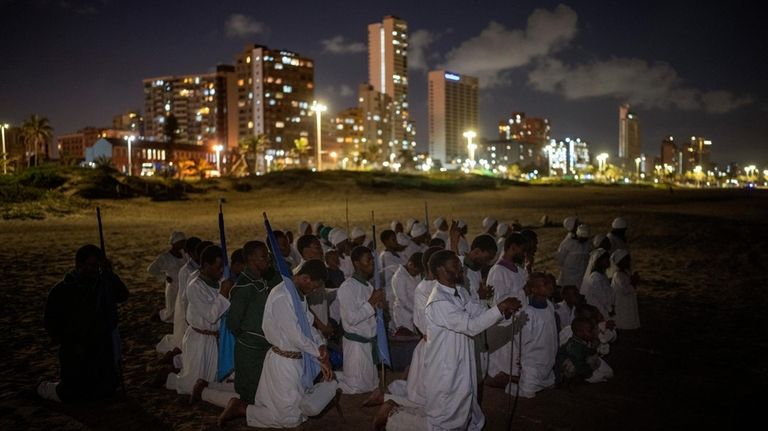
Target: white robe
point(357, 317)
point(617, 243)
point(539, 349)
point(472, 280)
point(166, 266)
point(200, 352)
point(625, 301)
point(346, 266)
point(444, 235)
point(453, 320)
point(280, 391)
point(506, 284)
point(187, 273)
point(463, 248)
point(572, 257)
point(565, 313)
point(415, 385)
point(403, 290)
point(604, 335)
point(599, 293)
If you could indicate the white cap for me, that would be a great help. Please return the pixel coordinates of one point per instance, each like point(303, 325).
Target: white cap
point(460, 224)
point(409, 224)
point(583, 231)
point(336, 236)
point(438, 222)
point(418, 229)
point(619, 223)
point(403, 239)
point(569, 223)
point(394, 224)
point(176, 237)
point(618, 255)
point(488, 222)
point(357, 233)
point(502, 229)
point(303, 227)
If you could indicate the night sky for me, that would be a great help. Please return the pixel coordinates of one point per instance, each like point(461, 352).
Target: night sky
point(687, 68)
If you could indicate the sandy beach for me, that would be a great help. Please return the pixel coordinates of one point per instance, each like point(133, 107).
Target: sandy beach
point(698, 361)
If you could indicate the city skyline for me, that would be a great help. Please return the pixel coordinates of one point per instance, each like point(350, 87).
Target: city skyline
point(573, 64)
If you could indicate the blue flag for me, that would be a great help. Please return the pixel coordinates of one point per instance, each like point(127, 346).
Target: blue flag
point(226, 362)
point(310, 363)
point(382, 343)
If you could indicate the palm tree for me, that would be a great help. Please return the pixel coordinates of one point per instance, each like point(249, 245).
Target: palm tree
point(302, 146)
point(254, 147)
point(36, 131)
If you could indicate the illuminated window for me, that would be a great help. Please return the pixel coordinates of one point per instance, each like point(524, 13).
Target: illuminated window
point(287, 89)
point(250, 124)
point(248, 59)
point(279, 124)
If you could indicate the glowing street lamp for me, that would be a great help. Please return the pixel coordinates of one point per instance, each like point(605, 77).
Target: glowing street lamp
point(5, 156)
point(130, 140)
point(470, 135)
point(218, 148)
point(319, 109)
point(268, 158)
point(751, 169)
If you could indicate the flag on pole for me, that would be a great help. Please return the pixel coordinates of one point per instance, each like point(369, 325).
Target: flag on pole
point(382, 342)
point(310, 363)
point(226, 363)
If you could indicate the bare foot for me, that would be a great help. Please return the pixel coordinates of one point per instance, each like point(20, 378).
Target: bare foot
point(197, 391)
point(380, 420)
point(235, 409)
point(376, 398)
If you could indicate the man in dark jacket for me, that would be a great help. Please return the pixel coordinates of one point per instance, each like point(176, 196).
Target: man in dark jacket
point(81, 317)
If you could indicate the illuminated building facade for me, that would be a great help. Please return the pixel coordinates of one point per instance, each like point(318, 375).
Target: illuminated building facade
point(275, 90)
point(629, 135)
point(375, 108)
point(388, 74)
point(453, 110)
point(567, 156)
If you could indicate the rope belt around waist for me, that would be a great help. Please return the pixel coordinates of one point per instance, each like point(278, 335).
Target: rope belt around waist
point(365, 340)
point(204, 332)
point(286, 354)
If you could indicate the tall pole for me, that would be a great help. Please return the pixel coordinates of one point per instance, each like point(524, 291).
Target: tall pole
point(5, 156)
point(130, 156)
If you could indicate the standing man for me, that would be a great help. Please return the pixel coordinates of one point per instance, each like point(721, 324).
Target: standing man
point(166, 268)
point(81, 316)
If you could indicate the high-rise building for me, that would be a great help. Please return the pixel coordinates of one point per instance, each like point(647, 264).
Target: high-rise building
point(453, 109)
point(568, 156)
point(202, 106)
point(701, 148)
point(629, 135)
point(348, 130)
point(531, 132)
point(275, 91)
point(669, 159)
point(131, 120)
point(388, 74)
point(375, 108)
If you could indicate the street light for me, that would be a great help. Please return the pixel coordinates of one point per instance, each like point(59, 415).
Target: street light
point(218, 149)
point(268, 158)
point(637, 163)
point(470, 134)
point(5, 156)
point(319, 109)
point(129, 139)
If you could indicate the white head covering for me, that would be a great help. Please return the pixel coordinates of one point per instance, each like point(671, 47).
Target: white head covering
point(583, 231)
point(488, 222)
point(403, 239)
point(569, 223)
point(502, 229)
point(618, 255)
point(176, 237)
point(418, 229)
point(460, 224)
point(303, 225)
point(316, 227)
point(619, 223)
point(598, 239)
point(336, 236)
point(409, 224)
point(356, 233)
point(593, 257)
point(438, 221)
point(394, 224)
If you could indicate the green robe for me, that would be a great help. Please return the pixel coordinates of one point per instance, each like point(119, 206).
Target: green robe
point(246, 311)
point(573, 360)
